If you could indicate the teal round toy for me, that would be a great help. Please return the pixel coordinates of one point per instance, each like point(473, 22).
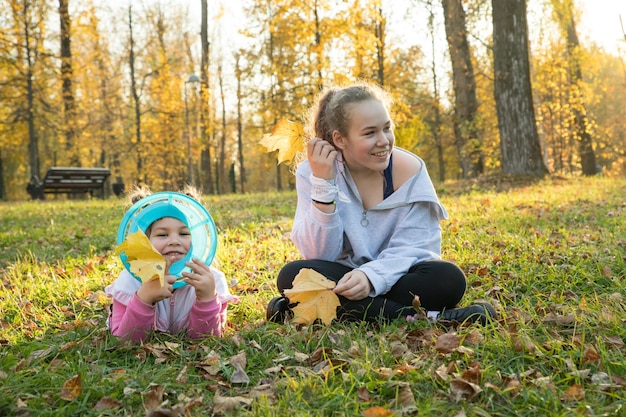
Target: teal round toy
point(179, 206)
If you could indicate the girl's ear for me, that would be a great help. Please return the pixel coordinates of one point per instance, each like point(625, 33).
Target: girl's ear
point(338, 140)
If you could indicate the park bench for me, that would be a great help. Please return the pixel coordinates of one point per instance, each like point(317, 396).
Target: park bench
point(69, 180)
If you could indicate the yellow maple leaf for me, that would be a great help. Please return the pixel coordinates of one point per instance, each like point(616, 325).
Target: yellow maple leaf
point(313, 291)
point(145, 261)
point(287, 138)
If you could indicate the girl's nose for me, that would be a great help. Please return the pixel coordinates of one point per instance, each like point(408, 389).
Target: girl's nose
point(384, 138)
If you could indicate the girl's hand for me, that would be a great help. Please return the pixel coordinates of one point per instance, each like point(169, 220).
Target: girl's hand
point(201, 278)
point(321, 155)
point(354, 285)
point(151, 291)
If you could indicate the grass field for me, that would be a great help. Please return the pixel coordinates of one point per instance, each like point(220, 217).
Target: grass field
point(551, 256)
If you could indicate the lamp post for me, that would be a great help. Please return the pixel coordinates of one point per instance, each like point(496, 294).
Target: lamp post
point(193, 78)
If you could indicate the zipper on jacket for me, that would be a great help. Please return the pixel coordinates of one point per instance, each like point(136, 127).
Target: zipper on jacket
point(364, 221)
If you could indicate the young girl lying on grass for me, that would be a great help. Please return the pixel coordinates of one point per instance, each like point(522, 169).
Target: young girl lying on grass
point(195, 301)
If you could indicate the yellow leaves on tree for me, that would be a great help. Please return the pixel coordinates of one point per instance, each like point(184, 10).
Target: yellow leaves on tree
point(145, 261)
point(287, 138)
point(315, 296)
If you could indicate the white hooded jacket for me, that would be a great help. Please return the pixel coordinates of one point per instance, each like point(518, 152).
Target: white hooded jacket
point(383, 241)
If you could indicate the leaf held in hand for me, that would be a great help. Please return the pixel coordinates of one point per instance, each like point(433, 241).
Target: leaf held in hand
point(315, 296)
point(145, 261)
point(287, 138)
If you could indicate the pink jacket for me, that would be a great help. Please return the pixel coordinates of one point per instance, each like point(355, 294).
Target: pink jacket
point(131, 318)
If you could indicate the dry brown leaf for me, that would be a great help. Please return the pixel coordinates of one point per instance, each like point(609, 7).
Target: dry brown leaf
point(239, 376)
point(512, 386)
point(417, 304)
point(161, 413)
point(319, 355)
point(239, 359)
point(316, 300)
point(474, 337)
point(224, 405)
point(473, 373)
point(574, 393)
point(153, 399)
point(618, 380)
point(107, 403)
point(422, 338)
point(560, 319)
point(377, 412)
point(71, 388)
point(398, 349)
point(405, 398)
point(447, 343)
point(462, 389)
point(274, 369)
point(363, 395)
point(523, 343)
point(591, 355)
point(182, 375)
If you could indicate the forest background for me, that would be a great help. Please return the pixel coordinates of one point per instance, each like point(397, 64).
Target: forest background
point(162, 95)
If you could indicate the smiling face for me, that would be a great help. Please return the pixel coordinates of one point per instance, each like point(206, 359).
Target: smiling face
point(170, 237)
point(370, 138)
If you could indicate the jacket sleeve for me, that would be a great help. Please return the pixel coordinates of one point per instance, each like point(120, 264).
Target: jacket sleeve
point(208, 318)
point(316, 234)
point(132, 321)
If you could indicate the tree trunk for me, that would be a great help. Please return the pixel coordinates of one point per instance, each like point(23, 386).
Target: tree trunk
point(222, 161)
point(379, 30)
point(33, 140)
point(135, 94)
point(3, 192)
point(467, 138)
point(437, 125)
point(67, 92)
point(207, 180)
point(582, 132)
point(519, 141)
point(242, 170)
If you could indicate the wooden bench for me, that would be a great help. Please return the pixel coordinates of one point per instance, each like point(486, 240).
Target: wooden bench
point(68, 180)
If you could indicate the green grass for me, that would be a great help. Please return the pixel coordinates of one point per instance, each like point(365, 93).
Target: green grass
point(551, 256)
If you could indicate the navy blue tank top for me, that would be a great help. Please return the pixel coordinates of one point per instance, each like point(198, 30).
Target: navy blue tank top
point(388, 179)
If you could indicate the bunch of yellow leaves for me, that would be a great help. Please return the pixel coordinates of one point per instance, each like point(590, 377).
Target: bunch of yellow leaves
point(287, 138)
point(145, 261)
point(314, 293)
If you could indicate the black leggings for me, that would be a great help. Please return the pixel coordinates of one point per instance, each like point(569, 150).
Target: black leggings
point(439, 285)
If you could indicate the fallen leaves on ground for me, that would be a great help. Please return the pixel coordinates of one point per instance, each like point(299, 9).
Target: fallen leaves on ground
point(71, 388)
point(316, 300)
point(239, 361)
